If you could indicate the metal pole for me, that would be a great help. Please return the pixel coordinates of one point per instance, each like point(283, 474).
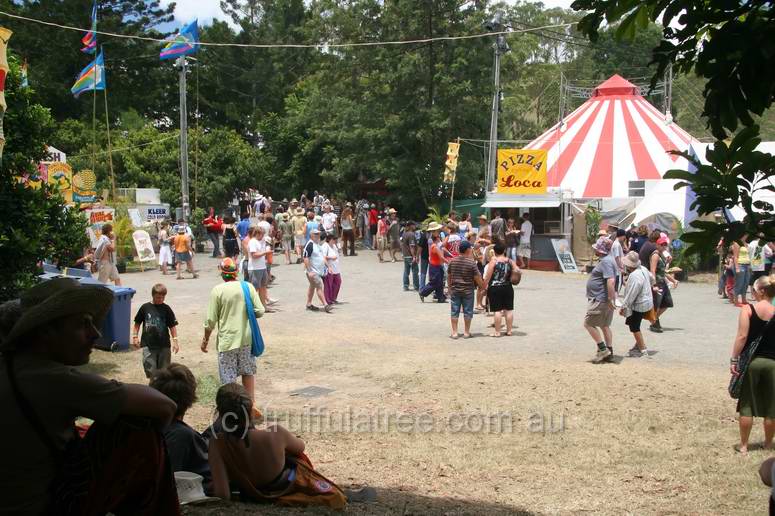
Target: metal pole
point(452, 194)
point(183, 140)
point(669, 91)
point(493, 150)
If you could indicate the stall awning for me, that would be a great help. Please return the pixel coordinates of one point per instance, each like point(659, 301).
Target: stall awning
point(495, 200)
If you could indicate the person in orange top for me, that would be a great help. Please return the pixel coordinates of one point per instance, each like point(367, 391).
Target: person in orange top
point(182, 245)
point(435, 266)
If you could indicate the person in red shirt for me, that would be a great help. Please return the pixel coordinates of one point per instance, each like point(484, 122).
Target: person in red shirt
point(373, 213)
point(435, 267)
point(214, 225)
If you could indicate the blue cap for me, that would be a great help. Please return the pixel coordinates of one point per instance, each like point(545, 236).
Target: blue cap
point(465, 245)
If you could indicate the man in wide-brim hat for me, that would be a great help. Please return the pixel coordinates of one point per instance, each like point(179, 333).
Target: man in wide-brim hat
point(51, 329)
point(299, 222)
point(637, 300)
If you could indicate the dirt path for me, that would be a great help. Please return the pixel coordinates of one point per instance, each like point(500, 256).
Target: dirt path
point(485, 425)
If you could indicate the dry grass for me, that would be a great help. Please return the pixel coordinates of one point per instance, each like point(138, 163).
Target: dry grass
point(646, 436)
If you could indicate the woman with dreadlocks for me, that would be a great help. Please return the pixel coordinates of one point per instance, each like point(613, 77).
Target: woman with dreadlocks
point(263, 464)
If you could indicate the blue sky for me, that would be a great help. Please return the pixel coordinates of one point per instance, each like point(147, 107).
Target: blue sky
point(206, 10)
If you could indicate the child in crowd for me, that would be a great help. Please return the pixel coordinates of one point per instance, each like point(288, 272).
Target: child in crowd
point(158, 322)
point(332, 281)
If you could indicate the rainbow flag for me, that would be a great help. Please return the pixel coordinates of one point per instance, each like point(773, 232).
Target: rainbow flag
point(183, 43)
point(91, 78)
point(90, 39)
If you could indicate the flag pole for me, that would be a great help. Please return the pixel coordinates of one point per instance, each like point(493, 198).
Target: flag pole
point(94, 120)
point(110, 150)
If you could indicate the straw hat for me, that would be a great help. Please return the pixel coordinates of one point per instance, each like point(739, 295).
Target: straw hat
point(190, 489)
point(392, 211)
point(434, 226)
point(631, 260)
point(58, 298)
point(299, 211)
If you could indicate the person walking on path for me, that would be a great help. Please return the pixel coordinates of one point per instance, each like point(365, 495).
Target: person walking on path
point(759, 253)
point(165, 252)
point(285, 229)
point(742, 263)
point(601, 300)
point(348, 230)
point(373, 220)
point(214, 226)
point(756, 394)
point(422, 255)
point(500, 293)
point(435, 266)
point(159, 323)
point(394, 234)
point(637, 300)
point(257, 271)
point(462, 279)
point(328, 219)
point(314, 266)
point(230, 238)
point(411, 256)
point(498, 228)
point(243, 225)
point(227, 315)
point(525, 250)
point(105, 255)
point(382, 230)
point(648, 247)
point(182, 245)
point(663, 299)
point(512, 240)
point(299, 229)
point(332, 281)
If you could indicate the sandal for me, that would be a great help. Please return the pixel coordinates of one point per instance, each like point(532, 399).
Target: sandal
point(739, 450)
point(495, 335)
point(454, 337)
point(508, 334)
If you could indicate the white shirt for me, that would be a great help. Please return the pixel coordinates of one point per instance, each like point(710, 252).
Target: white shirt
point(329, 219)
point(527, 232)
point(330, 251)
point(102, 252)
point(758, 255)
point(256, 246)
point(617, 250)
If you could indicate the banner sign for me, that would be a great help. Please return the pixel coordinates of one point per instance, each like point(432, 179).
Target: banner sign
point(85, 187)
point(154, 213)
point(97, 218)
point(60, 176)
point(450, 166)
point(564, 255)
point(521, 171)
point(143, 246)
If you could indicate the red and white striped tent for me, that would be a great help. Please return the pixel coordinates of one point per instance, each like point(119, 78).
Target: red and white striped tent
point(615, 137)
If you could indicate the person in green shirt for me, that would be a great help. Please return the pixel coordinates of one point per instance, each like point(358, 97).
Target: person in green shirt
point(227, 312)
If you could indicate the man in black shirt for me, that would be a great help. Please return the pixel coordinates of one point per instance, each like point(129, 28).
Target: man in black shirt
point(158, 321)
point(647, 249)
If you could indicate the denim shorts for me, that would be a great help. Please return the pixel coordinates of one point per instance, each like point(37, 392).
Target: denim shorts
point(465, 302)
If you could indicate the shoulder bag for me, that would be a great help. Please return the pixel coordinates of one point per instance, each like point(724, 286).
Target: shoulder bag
point(744, 360)
point(257, 348)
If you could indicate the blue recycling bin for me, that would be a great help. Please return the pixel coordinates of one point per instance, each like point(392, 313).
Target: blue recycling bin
point(116, 328)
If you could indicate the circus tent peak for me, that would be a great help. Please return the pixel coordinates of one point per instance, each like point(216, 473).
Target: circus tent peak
point(612, 139)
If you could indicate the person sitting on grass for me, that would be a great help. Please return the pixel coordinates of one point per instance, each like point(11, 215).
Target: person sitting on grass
point(267, 464)
point(120, 465)
point(187, 448)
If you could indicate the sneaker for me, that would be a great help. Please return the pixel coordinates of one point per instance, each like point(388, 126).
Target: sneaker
point(313, 308)
point(271, 301)
point(406, 289)
point(636, 353)
point(328, 308)
point(601, 355)
point(422, 299)
point(656, 328)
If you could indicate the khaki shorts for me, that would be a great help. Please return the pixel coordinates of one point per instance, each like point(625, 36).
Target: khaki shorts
point(107, 272)
point(315, 280)
point(599, 314)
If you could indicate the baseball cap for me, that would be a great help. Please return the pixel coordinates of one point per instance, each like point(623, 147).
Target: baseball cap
point(663, 240)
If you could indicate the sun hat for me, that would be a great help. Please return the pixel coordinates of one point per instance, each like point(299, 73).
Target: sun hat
point(631, 260)
point(602, 232)
point(190, 488)
point(294, 201)
point(299, 211)
point(434, 226)
point(663, 240)
point(392, 211)
point(603, 245)
point(314, 230)
point(482, 217)
point(181, 229)
point(465, 245)
point(54, 299)
point(349, 204)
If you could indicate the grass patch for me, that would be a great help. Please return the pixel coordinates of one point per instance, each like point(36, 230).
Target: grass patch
point(206, 389)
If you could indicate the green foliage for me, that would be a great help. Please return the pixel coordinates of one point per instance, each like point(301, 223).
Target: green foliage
point(435, 216)
point(736, 171)
point(123, 229)
point(593, 218)
point(728, 44)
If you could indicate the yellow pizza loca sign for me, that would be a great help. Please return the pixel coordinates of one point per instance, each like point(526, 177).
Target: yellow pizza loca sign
point(521, 171)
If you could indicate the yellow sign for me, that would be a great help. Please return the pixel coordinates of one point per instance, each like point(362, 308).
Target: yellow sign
point(60, 175)
point(84, 187)
point(521, 171)
point(453, 150)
